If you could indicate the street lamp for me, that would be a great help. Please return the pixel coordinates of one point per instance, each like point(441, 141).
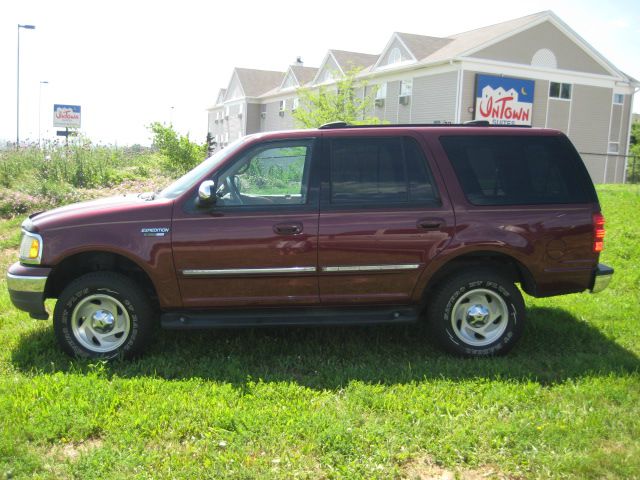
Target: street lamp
point(42, 82)
point(26, 27)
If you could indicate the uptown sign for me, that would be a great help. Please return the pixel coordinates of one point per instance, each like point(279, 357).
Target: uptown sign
point(67, 116)
point(504, 100)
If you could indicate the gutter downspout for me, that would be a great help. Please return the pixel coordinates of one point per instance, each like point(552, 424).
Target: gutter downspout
point(629, 123)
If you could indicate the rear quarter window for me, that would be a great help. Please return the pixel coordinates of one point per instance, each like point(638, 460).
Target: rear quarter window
point(518, 170)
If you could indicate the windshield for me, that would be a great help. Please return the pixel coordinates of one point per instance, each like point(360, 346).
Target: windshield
point(187, 181)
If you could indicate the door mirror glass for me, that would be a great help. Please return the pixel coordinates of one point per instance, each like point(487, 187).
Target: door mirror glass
point(206, 193)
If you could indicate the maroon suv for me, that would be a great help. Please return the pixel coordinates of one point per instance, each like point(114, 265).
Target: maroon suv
point(336, 226)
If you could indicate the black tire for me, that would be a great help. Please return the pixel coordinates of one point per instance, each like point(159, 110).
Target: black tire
point(84, 322)
point(476, 314)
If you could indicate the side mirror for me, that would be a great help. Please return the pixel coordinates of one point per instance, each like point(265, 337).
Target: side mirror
point(206, 193)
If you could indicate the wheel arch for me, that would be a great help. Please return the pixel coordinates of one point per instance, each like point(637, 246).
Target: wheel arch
point(85, 262)
point(506, 264)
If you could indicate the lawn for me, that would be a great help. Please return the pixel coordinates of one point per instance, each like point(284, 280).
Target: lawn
point(339, 403)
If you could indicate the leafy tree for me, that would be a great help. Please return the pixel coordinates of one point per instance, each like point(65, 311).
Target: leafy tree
point(338, 102)
point(180, 154)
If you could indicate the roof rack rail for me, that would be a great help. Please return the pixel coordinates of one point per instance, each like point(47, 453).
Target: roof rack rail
point(471, 123)
point(478, 123)
point(338, 124)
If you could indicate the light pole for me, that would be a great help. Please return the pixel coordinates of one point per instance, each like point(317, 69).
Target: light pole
point(26, 27)
point(42, 82)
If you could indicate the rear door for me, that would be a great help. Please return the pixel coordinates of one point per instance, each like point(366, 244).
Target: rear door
point(383, 217)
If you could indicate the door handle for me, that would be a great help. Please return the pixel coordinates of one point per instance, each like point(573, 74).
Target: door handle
point(430, 223)
point(293, 228)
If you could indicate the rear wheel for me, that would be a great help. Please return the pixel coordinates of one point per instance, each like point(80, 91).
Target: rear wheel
point(478, 313)
point(103, 315)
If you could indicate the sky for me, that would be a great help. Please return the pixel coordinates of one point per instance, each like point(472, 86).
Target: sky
point(130, 63)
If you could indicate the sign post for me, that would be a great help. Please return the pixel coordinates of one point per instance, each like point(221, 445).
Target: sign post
point(66, 116)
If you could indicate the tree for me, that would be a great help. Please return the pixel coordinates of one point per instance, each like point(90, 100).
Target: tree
point(180, 153)
point(633, 162)
point(339, 102)
point(211, 144)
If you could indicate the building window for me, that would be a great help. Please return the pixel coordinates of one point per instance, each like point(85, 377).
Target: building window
point(395, 56)
point(618, 98)
point(226, 112)
point(381, 94)
point(240, 110)
point(283, 107)
point(614, 147)
point(406, 86)
point(295, 104)
point(560, 90)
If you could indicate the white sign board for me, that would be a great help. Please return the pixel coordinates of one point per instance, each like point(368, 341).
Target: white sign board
point(66, 116)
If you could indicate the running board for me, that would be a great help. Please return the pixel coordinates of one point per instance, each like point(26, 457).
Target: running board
point(192, 320)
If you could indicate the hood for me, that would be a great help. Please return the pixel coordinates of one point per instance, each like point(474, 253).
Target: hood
point(121, 208)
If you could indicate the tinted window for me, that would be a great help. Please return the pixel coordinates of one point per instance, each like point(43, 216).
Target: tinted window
point(379, 171)
point(518, 170)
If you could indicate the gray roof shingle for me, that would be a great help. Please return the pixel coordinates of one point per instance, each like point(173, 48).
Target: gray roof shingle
point(304, 74)
point(350, 60)
point(421, 46)
point(256, 82)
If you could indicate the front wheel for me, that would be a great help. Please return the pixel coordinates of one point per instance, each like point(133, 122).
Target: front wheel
point(478, 313)
point(103, 315)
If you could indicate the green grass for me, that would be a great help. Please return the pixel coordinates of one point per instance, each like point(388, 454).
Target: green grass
point(375, 402)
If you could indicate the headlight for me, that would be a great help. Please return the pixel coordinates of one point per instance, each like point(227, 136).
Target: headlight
point(30, 248)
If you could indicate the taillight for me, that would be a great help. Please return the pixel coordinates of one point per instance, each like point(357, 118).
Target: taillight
point(598, 232)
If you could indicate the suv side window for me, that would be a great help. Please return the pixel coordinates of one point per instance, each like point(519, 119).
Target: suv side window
point(271, 174)
point(378, 171)
point(518, 170)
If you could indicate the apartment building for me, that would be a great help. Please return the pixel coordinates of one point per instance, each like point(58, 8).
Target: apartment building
point(533, 71)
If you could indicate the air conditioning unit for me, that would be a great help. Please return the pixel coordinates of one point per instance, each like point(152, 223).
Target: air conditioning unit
point(281, 113)
point(404, 100)
point(379, 102)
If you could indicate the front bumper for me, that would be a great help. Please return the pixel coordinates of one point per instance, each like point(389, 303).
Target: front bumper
point(601, 277)
point(26, 285)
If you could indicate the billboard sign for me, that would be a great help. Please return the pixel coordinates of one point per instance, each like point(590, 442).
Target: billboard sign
point(66, 116)
point(504, 100)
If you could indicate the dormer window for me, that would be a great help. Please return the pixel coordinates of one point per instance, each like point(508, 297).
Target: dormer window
point(395, 56)
point(326, 76)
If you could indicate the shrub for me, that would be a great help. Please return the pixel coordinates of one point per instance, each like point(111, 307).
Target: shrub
point(179, 153)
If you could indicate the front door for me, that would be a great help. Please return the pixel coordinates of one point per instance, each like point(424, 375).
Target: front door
point(258, 244)
point(382, 219)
